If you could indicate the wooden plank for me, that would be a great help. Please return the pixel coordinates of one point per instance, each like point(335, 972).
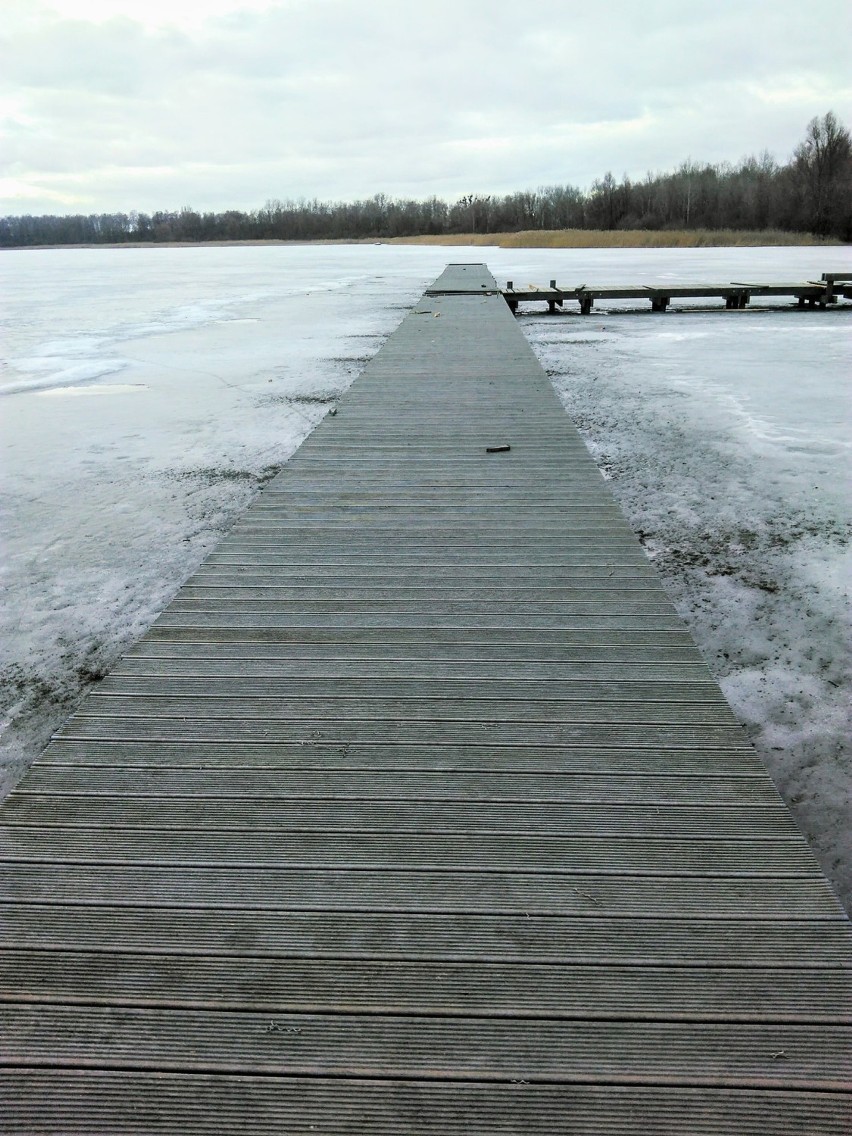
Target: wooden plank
point(451, 1049)
point(244, 982)
point(480, 756)
point(598, 581)
point(264, 597)
point(817, 944)
point(388, 850)
point(248, 585)
point(492, 892)
point(490, 620)
point(249, 784)
point(391, 696)
point(494, 644)
point(348, 731)
point(138, 1103)
point(462, 561)
point(591, 670)
point(407, 689)
point(489, 656)
point(507, 818)
point(666, 709)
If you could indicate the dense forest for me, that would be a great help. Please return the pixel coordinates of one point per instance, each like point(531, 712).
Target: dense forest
point(811, 193)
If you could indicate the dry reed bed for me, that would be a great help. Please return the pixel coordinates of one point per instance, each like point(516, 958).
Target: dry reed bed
point(622, 238)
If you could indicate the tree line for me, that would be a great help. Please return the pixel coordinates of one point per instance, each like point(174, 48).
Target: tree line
point(811, 193)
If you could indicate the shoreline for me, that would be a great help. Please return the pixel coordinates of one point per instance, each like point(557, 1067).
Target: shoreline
point(529, 239)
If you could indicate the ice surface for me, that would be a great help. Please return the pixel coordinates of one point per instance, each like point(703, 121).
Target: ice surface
point(727, 442)
point(146, 394)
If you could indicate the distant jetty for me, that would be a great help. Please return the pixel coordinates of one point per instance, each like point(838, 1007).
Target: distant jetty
point(808, 293)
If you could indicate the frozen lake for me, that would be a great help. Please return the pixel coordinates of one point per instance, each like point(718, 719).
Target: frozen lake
point(147, 393)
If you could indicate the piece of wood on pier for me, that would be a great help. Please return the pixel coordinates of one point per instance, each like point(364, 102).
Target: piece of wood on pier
point(417, 811)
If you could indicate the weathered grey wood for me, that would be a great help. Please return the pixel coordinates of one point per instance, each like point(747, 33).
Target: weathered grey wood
point(242, 981)
point(379, 850)
point(496, 642)
point(482, 621)
point(420, 790)
point(404, 690)
point(349, 731)
point(480, 754)
point(485, 658)
point(410, 889)
point(271, 704)
point(709, 820)
point(736, 294)
point(253, 598)
point(249, 784)
point(583, 940)
point(473, 575)
point(209, 602)
point(137, 1103)
point(453, 1049)
point(481, 671)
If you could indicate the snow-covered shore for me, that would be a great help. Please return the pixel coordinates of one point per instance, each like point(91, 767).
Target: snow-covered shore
point(146, 394)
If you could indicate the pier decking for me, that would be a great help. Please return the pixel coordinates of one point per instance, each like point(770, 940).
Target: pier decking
point(418, 812)
point(737, 294)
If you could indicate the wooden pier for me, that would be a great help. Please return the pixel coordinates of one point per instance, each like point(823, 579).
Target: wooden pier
point(738, 294)
point(418, 812)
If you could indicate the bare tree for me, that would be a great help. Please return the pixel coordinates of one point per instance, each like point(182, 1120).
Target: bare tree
point(823, 163)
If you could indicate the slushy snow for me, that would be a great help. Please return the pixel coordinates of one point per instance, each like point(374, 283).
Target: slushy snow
point(147, 394)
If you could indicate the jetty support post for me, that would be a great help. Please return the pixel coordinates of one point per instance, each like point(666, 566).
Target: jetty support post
point(737, 299)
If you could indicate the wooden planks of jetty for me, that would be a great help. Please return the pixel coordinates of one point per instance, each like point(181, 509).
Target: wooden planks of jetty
point(418, 812)
point(737, 295)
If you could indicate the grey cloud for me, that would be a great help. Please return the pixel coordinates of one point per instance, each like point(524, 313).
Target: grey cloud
point(117, 57)
point(337, 98)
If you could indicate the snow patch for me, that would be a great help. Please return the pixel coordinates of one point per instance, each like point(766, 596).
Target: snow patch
point(102, 389)
point(745, 510)
point(66, 376)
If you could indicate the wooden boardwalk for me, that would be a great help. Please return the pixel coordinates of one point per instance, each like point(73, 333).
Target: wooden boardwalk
point(418, 812)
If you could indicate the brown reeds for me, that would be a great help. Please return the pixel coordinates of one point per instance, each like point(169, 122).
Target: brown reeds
point(622, 238)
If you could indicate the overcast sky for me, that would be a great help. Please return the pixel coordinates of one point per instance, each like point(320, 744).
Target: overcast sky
point(144, 104)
